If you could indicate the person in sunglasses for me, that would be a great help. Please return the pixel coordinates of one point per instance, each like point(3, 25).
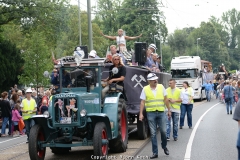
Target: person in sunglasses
point(115, 78)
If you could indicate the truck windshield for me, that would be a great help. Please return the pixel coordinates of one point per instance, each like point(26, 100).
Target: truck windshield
point(188, 73)
point(76, 77)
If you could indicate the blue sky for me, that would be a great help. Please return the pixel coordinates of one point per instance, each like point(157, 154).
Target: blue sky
point(186, 13)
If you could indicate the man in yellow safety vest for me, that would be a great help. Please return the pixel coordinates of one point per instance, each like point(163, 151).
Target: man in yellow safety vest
point(174, 98)
point(29, 109)
point(154, 98)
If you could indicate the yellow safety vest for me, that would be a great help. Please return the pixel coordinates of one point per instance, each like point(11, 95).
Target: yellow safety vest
point(189, 92)
point(174, 96)
point(27, 106)
point(154, 103)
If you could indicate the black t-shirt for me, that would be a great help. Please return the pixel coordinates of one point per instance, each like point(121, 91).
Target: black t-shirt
point(121, 72)
point(215, 86)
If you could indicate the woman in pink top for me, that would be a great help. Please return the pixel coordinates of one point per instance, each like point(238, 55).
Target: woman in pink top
point(16, 118)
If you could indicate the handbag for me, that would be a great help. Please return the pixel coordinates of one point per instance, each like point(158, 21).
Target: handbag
point(21, 125)
point(115, 87)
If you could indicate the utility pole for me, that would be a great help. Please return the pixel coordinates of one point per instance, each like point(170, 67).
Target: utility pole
point(160, 48)
point(79, 21)
point(90, 39)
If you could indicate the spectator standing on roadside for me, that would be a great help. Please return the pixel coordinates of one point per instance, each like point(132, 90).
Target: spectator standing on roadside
point(6, 112)
point(20, 95)
point(16, 117)
point(28, 108)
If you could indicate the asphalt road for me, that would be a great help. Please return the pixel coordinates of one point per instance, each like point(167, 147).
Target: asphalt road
point(213, 137)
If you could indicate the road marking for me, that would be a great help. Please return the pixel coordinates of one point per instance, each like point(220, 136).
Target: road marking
point(190, 141)
point(12, 139)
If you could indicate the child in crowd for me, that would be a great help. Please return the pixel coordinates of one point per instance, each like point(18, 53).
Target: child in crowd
point(44, 106)
point(16, 118)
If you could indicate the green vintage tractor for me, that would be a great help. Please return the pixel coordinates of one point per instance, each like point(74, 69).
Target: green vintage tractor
point(77, 116)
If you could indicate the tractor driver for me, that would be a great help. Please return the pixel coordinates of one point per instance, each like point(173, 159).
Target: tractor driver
point(115, 78)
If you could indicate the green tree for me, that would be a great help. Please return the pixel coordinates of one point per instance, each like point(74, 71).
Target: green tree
point(11, 63)
point(231, 22)
point(106, 16)
point(69, 39)
point(178, 42)
point(211, 45)
point(140, 16)
point(37, 59)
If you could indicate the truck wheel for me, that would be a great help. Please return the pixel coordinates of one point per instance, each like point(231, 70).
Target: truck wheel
point(119, 144)
point(142, 128)
point(36, 135)
point(201, 98)
point(100, 134)
point(60, 150)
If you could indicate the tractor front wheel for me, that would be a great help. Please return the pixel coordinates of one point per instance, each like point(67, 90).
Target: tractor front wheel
point(36, 152)
point(100, 140)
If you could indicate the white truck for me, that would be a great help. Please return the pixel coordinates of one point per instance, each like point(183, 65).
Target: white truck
point(191, 69)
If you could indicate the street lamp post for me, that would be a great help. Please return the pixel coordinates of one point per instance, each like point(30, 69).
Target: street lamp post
point(197, 45)
point(160, 48)
point(90, 38)
point(79, 21)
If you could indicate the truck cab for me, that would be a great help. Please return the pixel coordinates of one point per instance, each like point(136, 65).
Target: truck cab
point(188, 68)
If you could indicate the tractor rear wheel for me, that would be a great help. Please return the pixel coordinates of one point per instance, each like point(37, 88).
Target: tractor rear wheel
point(119, 144)
point(36, 135)
point(100, 140)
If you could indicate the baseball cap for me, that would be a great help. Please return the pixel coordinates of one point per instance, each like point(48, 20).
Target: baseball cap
point(152, 46)
point(152, 76)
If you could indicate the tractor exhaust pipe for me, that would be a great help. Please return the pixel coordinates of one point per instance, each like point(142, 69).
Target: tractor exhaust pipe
point(88, 82)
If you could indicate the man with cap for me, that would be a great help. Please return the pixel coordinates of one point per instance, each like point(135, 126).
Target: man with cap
point(154, 98)
point(93, 54)
point(151, 49)
point(29, 109)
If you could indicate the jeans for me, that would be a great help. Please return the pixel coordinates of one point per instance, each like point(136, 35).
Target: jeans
point(208, 95)
point(28, 124)
point(10, 125)
point(238, 144)
point(229, 105)
point(154, 119)
point(4, 124)
point(104, 91)
point(174, 119)
point(216, 92)
point(186, 108)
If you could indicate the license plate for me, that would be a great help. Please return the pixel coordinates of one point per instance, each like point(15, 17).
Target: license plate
point(66, 120)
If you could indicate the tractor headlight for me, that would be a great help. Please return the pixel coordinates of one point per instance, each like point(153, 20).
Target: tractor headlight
point(83, 113)
point(46, 114)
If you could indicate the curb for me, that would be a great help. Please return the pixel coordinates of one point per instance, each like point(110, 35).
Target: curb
point(142, 147)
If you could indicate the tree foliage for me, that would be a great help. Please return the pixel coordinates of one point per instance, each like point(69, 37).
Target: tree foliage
point(11, 64)
point(37, 59)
